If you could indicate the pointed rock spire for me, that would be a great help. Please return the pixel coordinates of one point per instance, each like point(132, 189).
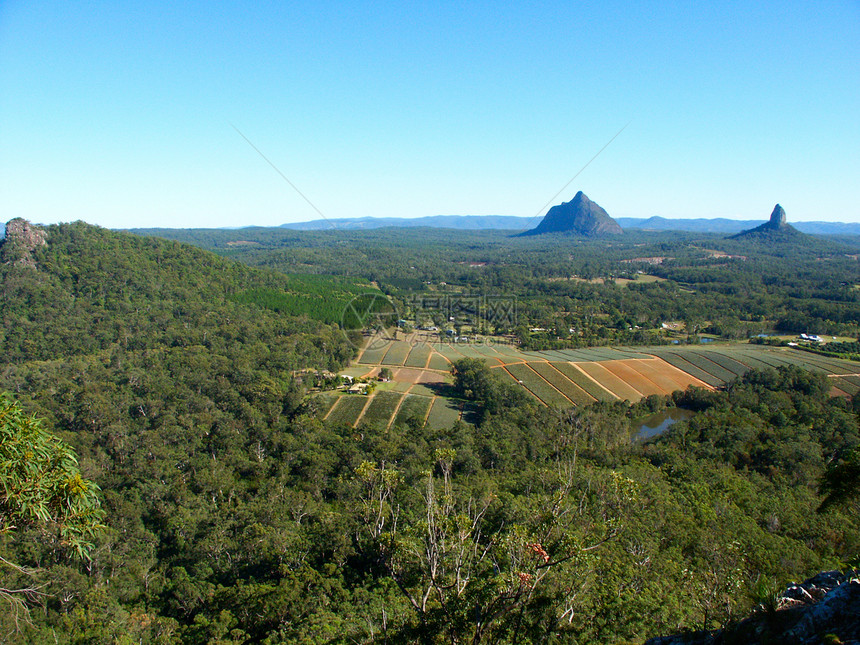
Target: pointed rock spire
point(775, 229)
point(777, 217)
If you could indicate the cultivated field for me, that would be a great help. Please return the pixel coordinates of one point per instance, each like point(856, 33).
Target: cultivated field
point(381, 410)
point(558, 378)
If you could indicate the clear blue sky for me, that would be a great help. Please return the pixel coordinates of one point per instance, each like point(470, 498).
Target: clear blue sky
point(120, 113)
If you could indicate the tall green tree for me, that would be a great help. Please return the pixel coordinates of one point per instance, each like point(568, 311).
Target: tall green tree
point(41, 487)
point(841, 481)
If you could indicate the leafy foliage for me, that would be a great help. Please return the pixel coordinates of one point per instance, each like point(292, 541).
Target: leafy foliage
point(618, 293)
point(45, 496)
point(475, 381)
point(841, 481)
point(235, 514)
point(42, 485)
point(323, 298)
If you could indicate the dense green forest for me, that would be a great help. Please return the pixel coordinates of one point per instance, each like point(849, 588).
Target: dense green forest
point(579, 291)
point(232, 513)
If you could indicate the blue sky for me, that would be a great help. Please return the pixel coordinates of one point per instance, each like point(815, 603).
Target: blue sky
point(121, 113)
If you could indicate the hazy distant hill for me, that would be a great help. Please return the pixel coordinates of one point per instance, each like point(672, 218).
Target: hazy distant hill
point(721, 225)
point(828, 228)
point(468, 222)
point(697, 225)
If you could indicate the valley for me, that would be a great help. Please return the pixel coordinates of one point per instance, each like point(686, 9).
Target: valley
point(420, 375)
point(272, 435)
point(458, 323)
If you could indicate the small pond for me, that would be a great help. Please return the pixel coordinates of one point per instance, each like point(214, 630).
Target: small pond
point(659, 422)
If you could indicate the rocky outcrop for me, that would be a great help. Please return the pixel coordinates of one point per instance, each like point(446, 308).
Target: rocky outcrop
point(580, 216)
point(776, 228)
point(777, 218)
point(803, 614)
point(830, 604)
point(22, 239)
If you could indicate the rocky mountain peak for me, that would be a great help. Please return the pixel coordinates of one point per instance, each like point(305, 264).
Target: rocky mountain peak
point(777, 217)
point(775, 229)
point(22, 239)
point(581, 216)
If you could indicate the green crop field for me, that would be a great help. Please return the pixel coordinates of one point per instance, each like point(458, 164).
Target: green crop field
point(413, 407)
point(507, 351)
point(397, 353)
point(709, 366)
point(485, 350)
point(381, 408)
point(854, 380)
point(448, 351)
point(444, 413)
point(423, 390)
point(325, 402)
point(719, 365)
point(373, 355)
point(846, 386)
point(767, 358)
point(786, 358)
point(828, 364)
point(749, 360)
point(418, 356)
point(471, 351)
point(559, 355)
point(806, 360)
point(727, 362)
point(348, 409)
point(538, 386)
point(438, 362)
point(560, 381)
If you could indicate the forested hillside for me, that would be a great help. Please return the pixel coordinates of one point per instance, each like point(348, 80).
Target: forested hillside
point(579, 292)
point(234, 514)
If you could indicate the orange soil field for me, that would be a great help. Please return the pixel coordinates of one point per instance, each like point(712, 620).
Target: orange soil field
point(633, 378)
point(610, 381)
point(666, 376)
point(411, 375)
point(835, 391)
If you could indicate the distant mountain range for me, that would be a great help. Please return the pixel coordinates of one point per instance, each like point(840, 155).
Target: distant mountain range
point(468, 222)
point(520, 224)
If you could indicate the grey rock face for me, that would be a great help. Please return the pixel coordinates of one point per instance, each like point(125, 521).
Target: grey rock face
point(22, 238)
point(581, 216)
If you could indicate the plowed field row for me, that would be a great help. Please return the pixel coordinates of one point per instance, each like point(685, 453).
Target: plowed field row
point(561, 378)
point(570, 389)
point(577, 376)
point(538, 386)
